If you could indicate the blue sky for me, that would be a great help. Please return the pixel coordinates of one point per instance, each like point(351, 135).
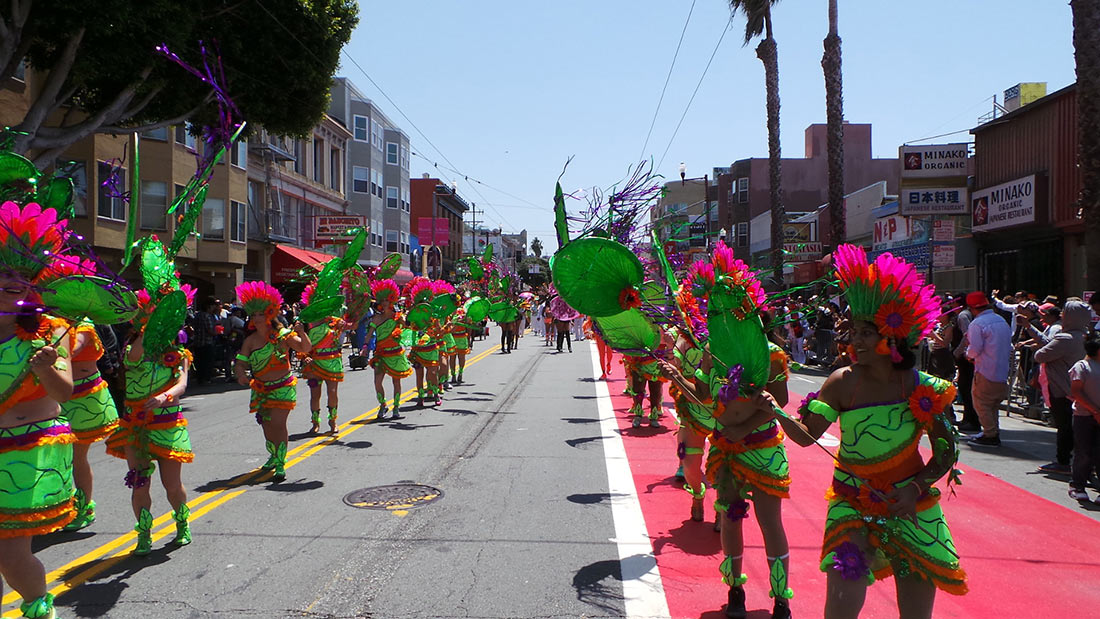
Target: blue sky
point(509, 90)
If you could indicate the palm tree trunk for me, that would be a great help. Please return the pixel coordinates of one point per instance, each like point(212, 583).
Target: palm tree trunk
point(768, 54)
point(834, 114)
point(1086, 46)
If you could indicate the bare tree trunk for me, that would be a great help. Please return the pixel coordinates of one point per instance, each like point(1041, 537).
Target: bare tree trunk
point(767, 52)
point(834, 114)
point(1086, 46)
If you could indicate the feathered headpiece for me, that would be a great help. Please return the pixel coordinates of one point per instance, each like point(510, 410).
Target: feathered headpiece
point(888, 292)
point(66, 265)
point(734, 297)
point(418, 290)
point(259, 298)
point(29, 236)
point(384, 290)
point(307, 294)
point(441, 287)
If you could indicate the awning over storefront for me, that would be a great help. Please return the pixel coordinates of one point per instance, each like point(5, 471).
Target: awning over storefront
point(287, 261)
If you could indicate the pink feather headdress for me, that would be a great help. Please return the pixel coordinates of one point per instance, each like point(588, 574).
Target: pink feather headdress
point(259, 298)
point(384, 290)
point(889, 292)
point(29, 236)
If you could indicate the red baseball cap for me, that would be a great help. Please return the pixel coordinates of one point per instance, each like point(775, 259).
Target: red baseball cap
point(1046, 308)
point(977, 299)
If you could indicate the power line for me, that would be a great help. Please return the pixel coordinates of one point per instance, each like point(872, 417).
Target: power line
point(387, 97)
point(483, 183)
point(701, 78)
point(668, 77)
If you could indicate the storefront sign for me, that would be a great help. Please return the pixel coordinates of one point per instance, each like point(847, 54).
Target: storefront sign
point(798, 233)
point(943, 230)
point(919, 255)
point(802, 252)
point(329, 229)
point(934, 201)
point(898, 231)
point(1004, 205)
point(943, 256)
point(433, 231)
point(933, 160)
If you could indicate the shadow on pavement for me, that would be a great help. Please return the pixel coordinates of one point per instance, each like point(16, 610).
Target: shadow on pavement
point(251, 478)
point(579, 420)
point(585, 397)
point(470, 399)
point(399, 425)
point(42, 542)
point(96, 598)
point(693, 538)
point(594, 586)
point(460, 411)
point(593, 498)
point(355, 444)
point(578, 442)
point(296, 486)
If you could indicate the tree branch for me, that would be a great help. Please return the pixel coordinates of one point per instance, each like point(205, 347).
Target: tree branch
point(47, 98)
point(13, 44)
point(168, 122)
point(134, 111)
point(51, 137)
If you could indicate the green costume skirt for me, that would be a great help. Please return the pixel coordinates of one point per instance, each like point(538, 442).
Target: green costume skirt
point(449, 344)
point(91, 412)
point(36, 478)
point(426, 356)
point(462, 345)
point(281, 394)
point(159, 436)
point(325, 368)
point(757, 462)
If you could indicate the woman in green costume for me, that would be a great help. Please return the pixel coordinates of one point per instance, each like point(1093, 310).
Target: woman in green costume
point(324, 364)
point(266, 353)
point(427, 341)
point(884, 515)
point(36, 454)
point(389, 354)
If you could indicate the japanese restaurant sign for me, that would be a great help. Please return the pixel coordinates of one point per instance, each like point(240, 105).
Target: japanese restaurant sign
point(1004, 205)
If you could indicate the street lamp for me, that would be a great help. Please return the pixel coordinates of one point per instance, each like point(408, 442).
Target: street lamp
point(683, 172)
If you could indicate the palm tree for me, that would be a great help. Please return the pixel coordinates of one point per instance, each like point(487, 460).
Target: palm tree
point(758, 21)
point(1086, 52)
point(834, 115)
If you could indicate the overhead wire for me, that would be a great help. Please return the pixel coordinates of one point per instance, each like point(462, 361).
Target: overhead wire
point(668, 77)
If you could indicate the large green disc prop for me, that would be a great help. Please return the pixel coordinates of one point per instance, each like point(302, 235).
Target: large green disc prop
point(444, 305)
point(321, 309)
point(590, 273)
point(477, 309)
point(98, 299)
point(503, 312)
point(420, 316)
point(15, 167)
point(389, 267)
point(629, 332)
point(164, 325)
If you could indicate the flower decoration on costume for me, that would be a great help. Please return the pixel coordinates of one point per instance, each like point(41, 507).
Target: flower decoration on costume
point(691, 313)
point(29, 237)
point(66, 265)
point(189, 292)
point(926, 402)
point(259, 298)
point(731, 389)
point(629, 298)
point(804, 407)
point(851, 562)
point(384, 290)
point(441, 287)
point(307, 294)
point(738, 510)
point(871, 500)
point(136, 479)
point(171, 358)
point(888, 292)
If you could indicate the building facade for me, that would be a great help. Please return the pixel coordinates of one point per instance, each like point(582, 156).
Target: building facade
point(434, 201)
point(378, 174)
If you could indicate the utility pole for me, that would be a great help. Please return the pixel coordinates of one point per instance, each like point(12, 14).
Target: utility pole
point(473, 228)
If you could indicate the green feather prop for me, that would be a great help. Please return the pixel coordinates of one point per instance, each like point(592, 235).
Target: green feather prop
point(157, 269)
point(629, 332)
point(186, 224)
point(592, 273)
point(165, 323)
point(561, 222)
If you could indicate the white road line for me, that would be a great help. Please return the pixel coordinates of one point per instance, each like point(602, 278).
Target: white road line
point(643, 593)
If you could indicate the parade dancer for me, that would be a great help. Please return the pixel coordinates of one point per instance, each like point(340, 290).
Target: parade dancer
point(389, 355)
point(266, 353)
point(747, 459)
point(607, 356)
point(36, 453)
point(324, 364)
point(152, 430)
point(91, 412)
point(445, 371)
point(696, 422)
point(460, 333)
point(424, 355)
point(884, 515)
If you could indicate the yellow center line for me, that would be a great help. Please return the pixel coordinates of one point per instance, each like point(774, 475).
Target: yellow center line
point(127, 540)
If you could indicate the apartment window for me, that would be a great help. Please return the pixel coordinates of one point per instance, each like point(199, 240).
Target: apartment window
point(391, 153)
point(238, 222)
point(376, 133)
point(379, 185)
point(391, 240)
point(184, 137)
point(361, 127)
point(743, 190)
point(154, 205)
point(404, 157)
point(373, 183)
point(335, 169)
point(282, 218)
point(318, 159)
point(299, 157)
point(213, 219)
point(239, 155)
point(742, 235)
point(156, 134)
point(360, 181)
point(392, 197)
point(110, 206)
point(404, 242)
point(376, 234)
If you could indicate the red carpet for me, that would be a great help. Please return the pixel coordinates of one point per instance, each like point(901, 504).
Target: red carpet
point(1025, 556)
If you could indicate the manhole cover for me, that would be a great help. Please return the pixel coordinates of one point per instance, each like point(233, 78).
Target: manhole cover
point(393, 497)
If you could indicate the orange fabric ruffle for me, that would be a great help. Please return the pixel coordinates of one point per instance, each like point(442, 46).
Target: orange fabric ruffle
point(52, 519)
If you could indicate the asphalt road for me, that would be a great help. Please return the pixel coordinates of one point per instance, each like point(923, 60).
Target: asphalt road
point(523, 527)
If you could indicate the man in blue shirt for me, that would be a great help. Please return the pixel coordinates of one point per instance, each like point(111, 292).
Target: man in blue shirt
point(990, 348)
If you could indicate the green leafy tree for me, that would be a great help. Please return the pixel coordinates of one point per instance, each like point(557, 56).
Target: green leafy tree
point(536, 247)
point(758, 21)
point(1086, 52)
point(98, 71)
point(534, 280)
